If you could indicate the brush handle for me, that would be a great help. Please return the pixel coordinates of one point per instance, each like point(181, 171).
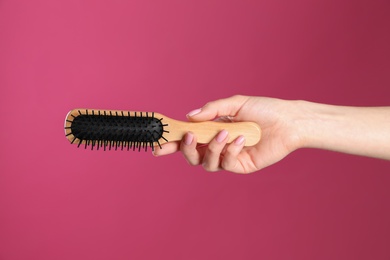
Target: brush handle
point(206, 131)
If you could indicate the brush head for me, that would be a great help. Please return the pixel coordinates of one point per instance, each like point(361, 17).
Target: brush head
point(113, 129)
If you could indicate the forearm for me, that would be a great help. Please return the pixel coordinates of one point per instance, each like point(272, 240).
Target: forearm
point(354, 130)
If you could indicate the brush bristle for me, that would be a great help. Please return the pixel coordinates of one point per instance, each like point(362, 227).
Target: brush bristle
point(113, 130)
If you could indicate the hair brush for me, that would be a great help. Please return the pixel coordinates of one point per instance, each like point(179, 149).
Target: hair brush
point(115, 129)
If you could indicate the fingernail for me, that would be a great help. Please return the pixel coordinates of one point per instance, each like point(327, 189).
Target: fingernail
point(222, 136)
point(194, 112)
point(188, 138)
point(240, 140)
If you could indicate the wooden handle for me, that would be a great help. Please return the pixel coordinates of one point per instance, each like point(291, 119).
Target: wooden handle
point(206, 131)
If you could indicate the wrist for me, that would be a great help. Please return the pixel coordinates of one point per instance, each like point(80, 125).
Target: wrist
point(313, 122)
point(296, 118)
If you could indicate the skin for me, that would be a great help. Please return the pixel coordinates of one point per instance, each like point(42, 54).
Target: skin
point(286, 126)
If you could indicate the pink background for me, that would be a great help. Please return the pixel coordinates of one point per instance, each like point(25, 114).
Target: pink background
point(60, 202)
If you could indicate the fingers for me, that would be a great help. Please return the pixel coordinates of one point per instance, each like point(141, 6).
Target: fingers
point(212, 157)
point(217, 155)
point(222, 107)
point(230, 160)
point(188, 148)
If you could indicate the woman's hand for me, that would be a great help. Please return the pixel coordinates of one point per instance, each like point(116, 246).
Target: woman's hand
point(274, 116)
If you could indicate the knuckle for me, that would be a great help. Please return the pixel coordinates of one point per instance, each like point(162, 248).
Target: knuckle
point(190, 158)
point(215, 148)
point(207, 167)
point(238, 97)
point(191, 162)
point(210, 149)
point(226, 164)
point(208, 105)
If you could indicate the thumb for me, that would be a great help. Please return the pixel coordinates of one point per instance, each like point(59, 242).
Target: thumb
point(218, 108)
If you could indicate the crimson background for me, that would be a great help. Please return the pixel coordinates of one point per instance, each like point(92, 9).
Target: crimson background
point(60, 202)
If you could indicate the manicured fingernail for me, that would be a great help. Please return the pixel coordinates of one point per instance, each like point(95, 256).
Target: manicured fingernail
point(188, 138)
point(222, 136)
point(194, 112)
point(240, 140)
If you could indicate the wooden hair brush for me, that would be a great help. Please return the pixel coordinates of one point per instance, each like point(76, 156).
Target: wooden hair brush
point(136, 130)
